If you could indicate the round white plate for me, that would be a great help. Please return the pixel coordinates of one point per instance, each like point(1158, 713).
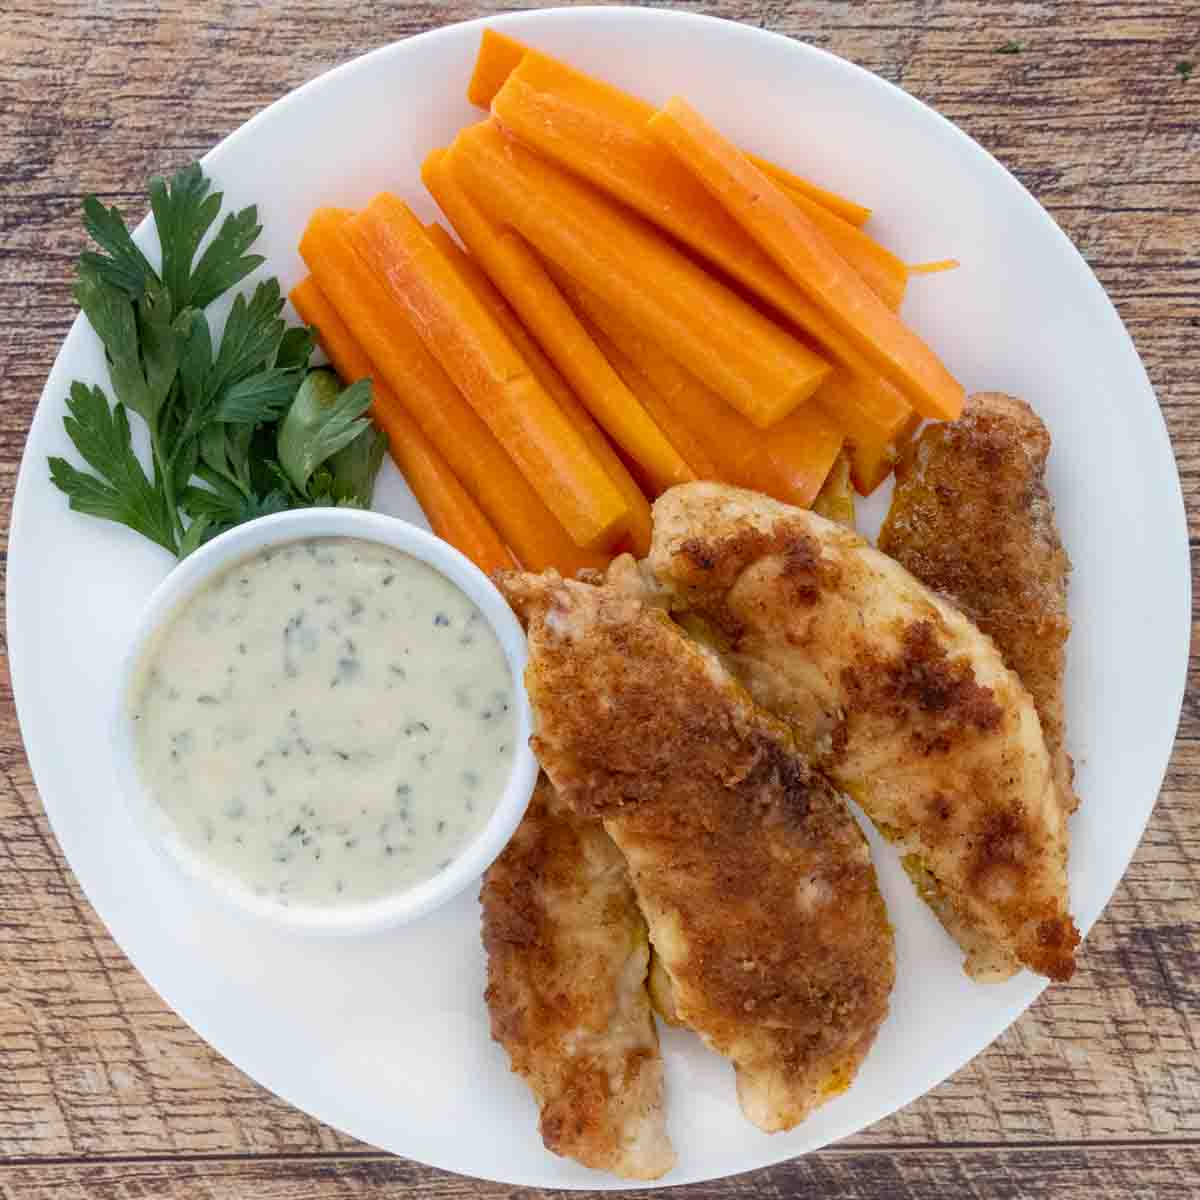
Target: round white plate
point(387, 1038)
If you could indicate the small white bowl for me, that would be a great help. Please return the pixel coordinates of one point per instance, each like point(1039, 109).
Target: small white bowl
point(240, 543)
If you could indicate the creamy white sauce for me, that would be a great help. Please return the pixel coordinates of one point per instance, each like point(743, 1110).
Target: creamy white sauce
point(327, 722)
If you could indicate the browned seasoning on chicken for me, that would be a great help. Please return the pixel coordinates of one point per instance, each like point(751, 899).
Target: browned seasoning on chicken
point(971, 518)
point(754, 878)
point(567, 959)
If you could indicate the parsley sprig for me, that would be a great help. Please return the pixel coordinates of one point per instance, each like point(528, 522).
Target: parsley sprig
point(238, 428)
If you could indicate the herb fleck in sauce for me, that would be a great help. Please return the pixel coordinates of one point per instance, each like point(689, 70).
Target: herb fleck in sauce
point(328, 722)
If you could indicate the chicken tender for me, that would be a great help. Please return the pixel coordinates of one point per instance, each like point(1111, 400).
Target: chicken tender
point(755, 880)
point(971, 519)
point(567, 961)
point(909, 708)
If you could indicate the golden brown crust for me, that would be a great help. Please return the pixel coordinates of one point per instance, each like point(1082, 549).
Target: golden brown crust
point(972, 519)
point(755, 880)
point(567, 959)
point(905, 703)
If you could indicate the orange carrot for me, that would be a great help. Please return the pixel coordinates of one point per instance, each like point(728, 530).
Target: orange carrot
point(884, 273)
point(743, 356)
point(870, 444)
point(932, 268)
point(855, 404)
point(475, 352)
point(519, 275)
point(452, 514)
point(500, 55)
point(382, 329)
point(677, 431)
point(803, 450)
point(497, 59)
point(789, 461)
point(872, 459)
point(853, 214)
point(588, 127)
point(601, 134)
point(805, 255)
point(469, 271)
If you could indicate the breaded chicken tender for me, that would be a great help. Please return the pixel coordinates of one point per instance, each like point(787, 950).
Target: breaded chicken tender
point(971, 519)
point(567, 960)
point(754, 878)
point(907, 706)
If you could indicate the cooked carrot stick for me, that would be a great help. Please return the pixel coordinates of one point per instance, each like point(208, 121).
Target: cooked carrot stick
point(452, 514)
point(475, 352)
point(676, 429)
point(789, 461)
point(500, 55)
point(588, 127)
point(743, 356)
point(870, 443)
point(382, 329)
point(804, 254)
point(873, 459)
point(520, 277)
point(933, 268)
point(601, 134)
point(640, 527)
point(853, 214)
point(881, 270)
point(835, 500)
point(859, 408)
point(497, 59)
point(803, 450)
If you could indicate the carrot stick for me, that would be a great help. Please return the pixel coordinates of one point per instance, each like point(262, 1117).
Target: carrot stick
point(884, 273)
point(851, 213)
point(475, 352)
point(452, 514)
point(855, 404)
point(870, 444)
point(382, 329)
point(871, 447)
point(601, 134)
point(497, 59)
point(681, 437)
point(873, 460)
point(933, 268)
point(469, 271)
point(788, 461)
point(521, 278)
point(588, 127)
point(500, 55)
point(805, 255)
point(743, 356)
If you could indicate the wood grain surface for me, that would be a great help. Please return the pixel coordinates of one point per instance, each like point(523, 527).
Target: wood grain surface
point(1095, 1092)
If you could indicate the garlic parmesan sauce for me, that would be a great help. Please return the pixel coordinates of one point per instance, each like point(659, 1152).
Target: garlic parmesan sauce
point(327, 722)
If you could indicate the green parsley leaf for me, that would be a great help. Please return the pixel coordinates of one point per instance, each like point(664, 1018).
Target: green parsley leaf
point(215, 408)
point(1184, 69)
point(224, 263)
point(354, 468)
point(119, 490)
point(260, 397)
point(251, 339)
point(124, 266)
point(1010, 48)
point(296, 347)
point(184, 212)
point(320, 422)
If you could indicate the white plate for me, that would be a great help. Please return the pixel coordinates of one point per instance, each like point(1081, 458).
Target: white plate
point(387, 1039)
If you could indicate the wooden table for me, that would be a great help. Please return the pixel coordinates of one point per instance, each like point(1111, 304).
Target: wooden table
point(1093, 1093)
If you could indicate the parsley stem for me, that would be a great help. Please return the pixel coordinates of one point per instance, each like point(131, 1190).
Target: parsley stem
point(165, 468)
